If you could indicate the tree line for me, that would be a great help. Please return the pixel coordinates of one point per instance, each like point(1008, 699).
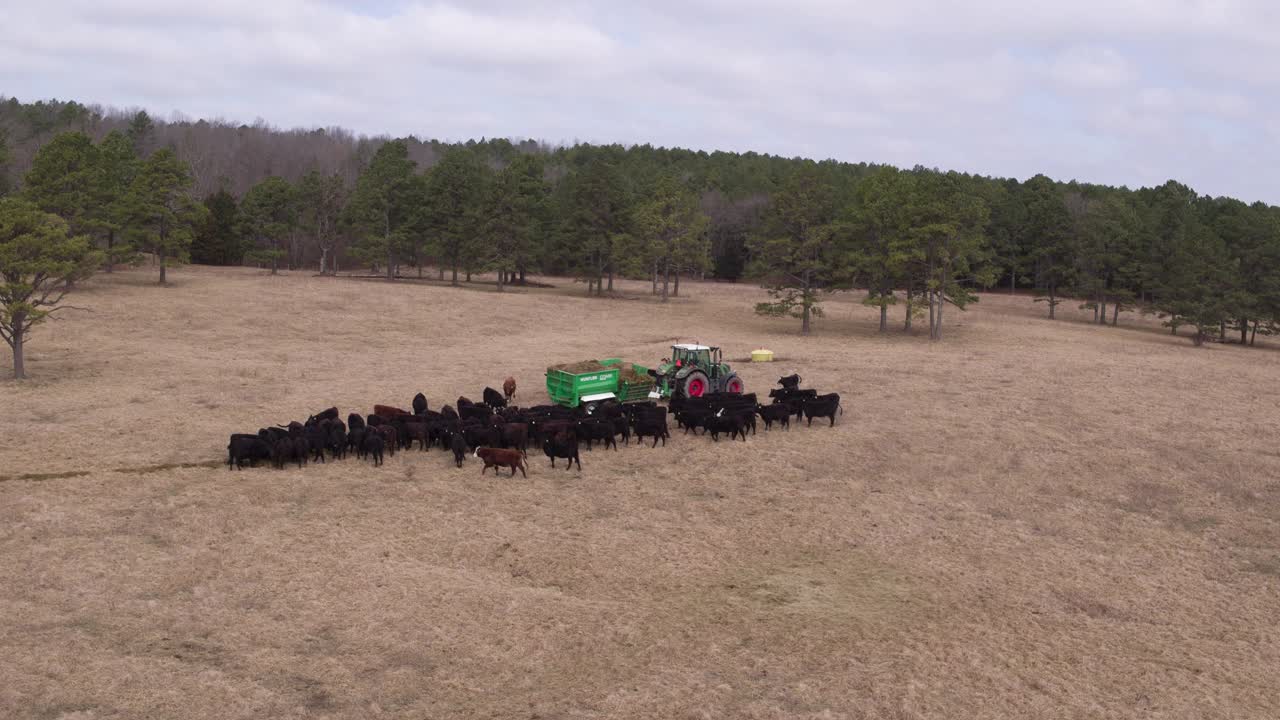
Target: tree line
point(925, 240)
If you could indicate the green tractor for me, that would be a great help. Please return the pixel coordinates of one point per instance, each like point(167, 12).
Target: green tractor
point(694, 371)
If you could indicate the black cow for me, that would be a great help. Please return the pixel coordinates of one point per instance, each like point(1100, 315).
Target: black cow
point(823, 406)
point(390, 437)
point(282, 453)
point(355, 440)
point(419, 404)
point(541, 429)
point(475, 411)
point(327, 414)
point(458, 445)
point(337, 440)
point(790, 382)
point(563, 445)
point(417, 431)
point(317, 441)
point(493, 398)
point(516, 435)
point(593, 430)
point(653, 426)
point(725, 424)
point(486, 436)
point(373, 446)
point(775, 413)
point(246, 447)
point(794, 399)
point(692, 419)
point(293, 426)
point(354, 421)
point(622, 427)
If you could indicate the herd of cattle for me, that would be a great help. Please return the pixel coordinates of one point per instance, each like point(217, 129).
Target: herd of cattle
point(499, 434)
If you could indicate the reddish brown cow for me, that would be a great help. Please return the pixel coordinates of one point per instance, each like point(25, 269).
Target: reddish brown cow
point(388, 412)
point(509, 387)
point(499, 458)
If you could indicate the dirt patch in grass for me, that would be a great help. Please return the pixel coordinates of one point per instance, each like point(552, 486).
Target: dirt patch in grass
point(45, 476)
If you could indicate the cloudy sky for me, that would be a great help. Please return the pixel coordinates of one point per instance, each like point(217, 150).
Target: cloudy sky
point(1119, 91)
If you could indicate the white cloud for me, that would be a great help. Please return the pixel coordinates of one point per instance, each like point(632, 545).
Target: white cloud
point(1120, 91)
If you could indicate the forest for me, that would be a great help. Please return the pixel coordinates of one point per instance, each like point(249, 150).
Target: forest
point(918, 241)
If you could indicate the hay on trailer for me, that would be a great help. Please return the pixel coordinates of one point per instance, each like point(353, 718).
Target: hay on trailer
point(578, 367)
point(627, 373)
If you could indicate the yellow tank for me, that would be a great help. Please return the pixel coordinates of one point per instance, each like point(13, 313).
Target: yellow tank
point(761, 355)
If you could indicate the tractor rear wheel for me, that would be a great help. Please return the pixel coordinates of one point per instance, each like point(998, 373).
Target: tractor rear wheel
point(695, 384)
point(733, 384)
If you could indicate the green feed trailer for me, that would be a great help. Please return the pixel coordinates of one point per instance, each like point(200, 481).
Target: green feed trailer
point(693, 371)
point(594, 381)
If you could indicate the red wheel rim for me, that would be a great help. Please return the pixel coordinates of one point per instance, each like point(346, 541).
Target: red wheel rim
point(735, 386)
point(697, 387)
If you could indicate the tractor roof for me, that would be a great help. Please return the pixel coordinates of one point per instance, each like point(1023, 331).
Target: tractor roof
point(687, 346)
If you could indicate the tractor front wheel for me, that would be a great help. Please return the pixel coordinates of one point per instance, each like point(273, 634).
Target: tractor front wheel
point(695, 384)
point(733, 384)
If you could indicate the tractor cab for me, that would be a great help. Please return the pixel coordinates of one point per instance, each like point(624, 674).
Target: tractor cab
point(695, 355)
point(695, 370)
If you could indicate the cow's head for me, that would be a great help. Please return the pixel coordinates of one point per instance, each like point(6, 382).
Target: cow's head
point(476, 453)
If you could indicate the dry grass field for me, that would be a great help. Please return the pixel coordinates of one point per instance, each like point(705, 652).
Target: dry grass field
point(1031, 519)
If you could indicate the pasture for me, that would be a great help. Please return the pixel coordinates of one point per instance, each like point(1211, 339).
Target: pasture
point(1030, 519)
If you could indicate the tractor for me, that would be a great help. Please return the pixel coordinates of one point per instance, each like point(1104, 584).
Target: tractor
point(693, 371)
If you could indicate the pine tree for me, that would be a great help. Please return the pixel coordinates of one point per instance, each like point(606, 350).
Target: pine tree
point(454, 211)
point(1190, 277)
point(598, 218)
point(382, 207)
point(947, 224)
point(40, 260)
point(796, 251)
point(117, 165)
point(62, 179)
point(1106, 263)
point(877, 226)
point(1008, 229)
point(1049, 237)
point(160, 208)
point(141, 129)
point(516, 205)
point(5, 157)
point(217, 240)
point(673, 228)
point(268, 213)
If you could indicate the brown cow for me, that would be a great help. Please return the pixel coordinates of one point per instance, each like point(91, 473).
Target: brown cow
point(388, 412)
point(509, 388)
point(499, 458)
